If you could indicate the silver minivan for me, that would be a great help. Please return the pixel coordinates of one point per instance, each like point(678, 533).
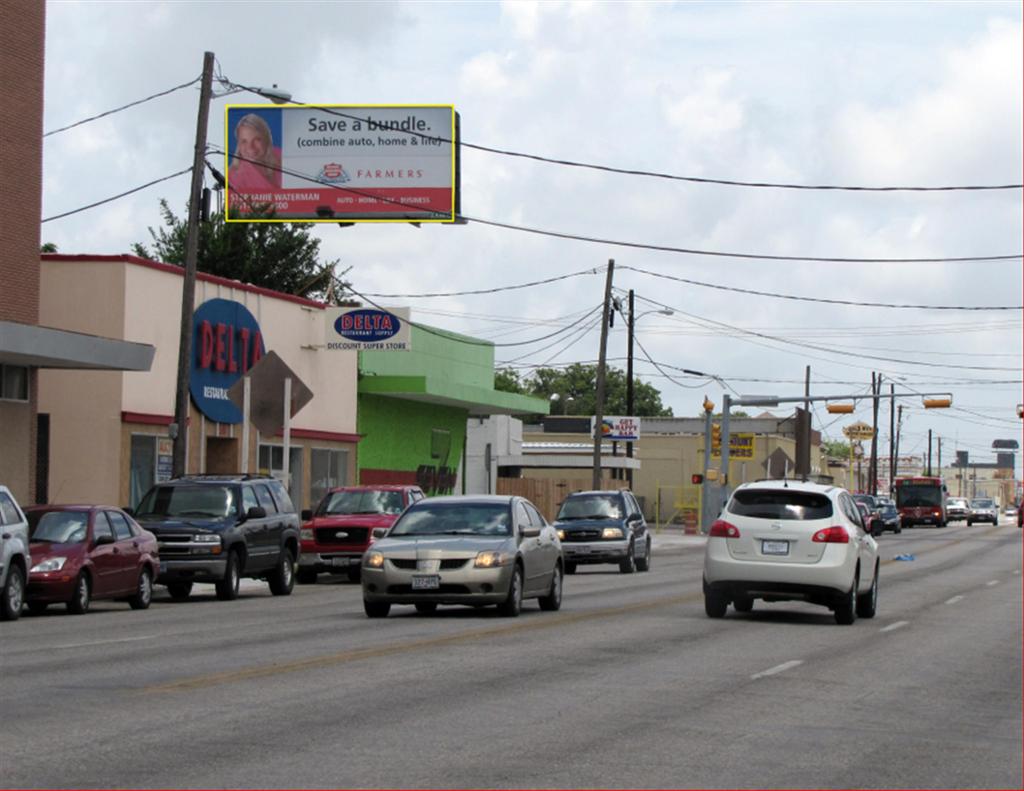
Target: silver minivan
point(14, 556)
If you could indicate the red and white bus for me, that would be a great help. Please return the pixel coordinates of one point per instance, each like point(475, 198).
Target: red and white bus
point(921, 500)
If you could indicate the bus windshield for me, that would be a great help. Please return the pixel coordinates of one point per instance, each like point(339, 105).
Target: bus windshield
point(910, 495)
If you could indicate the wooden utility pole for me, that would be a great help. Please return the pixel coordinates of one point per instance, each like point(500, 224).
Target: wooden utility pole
point(599, 402)
point(188, 290)
point(876, 391)
point(892, 432)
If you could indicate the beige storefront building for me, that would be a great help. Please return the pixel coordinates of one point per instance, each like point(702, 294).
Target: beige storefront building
point(110, 430)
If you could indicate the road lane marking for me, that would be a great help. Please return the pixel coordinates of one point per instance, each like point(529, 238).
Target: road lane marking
point(990, 583)
point(778, 668)
point(893, 626)
point(104, 642)
point(954, 600)
point(341, 657)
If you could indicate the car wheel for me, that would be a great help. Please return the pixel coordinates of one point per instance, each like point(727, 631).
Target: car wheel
point(628, 566)
point(570, 567)
point(513, 603)
point(306, 577)
point(282, 581)
point(553, 600)
point(868, 603)
point(376, 609)
point(354, 574)
point(715, 605)
point(970, 523)
point(846, 608)
point(179, 590)
point(743, 604)
point(37, 607)
point(644, 563)
point(13, 595)
point(79, 604)
point(426, 607)
point(143, 591)
point(898, 529)
point(227, 588)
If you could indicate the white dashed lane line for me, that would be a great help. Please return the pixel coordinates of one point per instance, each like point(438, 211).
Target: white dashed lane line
point(893, 626)
point(990, 583)
point(778, 668)
point(954, 600)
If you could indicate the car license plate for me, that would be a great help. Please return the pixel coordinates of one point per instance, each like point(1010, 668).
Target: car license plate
point(426, 582)
point(583, 549)
point(340, 561)
point(774, 547)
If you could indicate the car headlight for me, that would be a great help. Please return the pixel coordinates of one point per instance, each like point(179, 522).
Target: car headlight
point(561, 534)
point(612, 532)
point(373, 560)
point(206, 538)
point(306, 534)
point(50, 564)
point(489, 559)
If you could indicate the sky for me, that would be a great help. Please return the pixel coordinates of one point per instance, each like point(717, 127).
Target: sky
point(918, 94)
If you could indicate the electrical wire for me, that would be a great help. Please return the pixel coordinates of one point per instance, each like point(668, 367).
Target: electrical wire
point(827, 301)
point(115, 197)
point(122, 107)
point(653, 174)
point(497, 289)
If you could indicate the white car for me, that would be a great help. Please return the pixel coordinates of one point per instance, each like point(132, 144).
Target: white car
point(791, 540)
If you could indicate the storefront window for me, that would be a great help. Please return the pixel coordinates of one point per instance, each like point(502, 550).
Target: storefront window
point(329, 469)
point(13, 383)
point(271, 462)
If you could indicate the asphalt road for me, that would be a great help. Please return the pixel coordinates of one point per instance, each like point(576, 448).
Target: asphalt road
point(629, 685)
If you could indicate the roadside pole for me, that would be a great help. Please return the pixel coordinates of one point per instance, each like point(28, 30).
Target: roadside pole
point(599, 403)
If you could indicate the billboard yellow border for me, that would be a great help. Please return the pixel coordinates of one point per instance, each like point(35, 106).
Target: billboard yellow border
point(343, 219)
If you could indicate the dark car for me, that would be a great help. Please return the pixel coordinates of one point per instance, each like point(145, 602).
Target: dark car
point(889, 515)
point(219, 528)
point(86, 552)
point(604, 527)
point(340, 530)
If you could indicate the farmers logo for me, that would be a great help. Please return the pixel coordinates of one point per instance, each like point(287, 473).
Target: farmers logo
point(333, 173)
point(367, 325)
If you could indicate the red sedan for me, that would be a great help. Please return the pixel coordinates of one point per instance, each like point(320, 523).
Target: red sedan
point(86, 552)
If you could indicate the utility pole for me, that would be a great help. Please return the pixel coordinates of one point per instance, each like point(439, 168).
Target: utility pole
point(892, 431)
point(599, 404)
point(629, 382)
point(188, 290)
point(939, 465)
point(896, 452)
point(929, 473)
point(876, 390)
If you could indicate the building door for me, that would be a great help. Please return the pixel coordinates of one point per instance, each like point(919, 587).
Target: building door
point(222, 455)
point(42, 458)
point(142, 474)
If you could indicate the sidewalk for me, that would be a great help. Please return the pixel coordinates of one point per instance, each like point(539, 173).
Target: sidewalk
point(673, 537)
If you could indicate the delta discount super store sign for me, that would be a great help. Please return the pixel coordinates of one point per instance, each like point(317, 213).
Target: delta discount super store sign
point(350, 163)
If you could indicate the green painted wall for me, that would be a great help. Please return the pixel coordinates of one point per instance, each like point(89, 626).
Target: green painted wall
point(397, 433)
point(439, 354)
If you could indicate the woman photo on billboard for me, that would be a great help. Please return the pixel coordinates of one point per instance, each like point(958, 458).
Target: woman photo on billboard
point(256, 164)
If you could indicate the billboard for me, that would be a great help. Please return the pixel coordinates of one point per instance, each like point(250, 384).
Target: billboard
point(379, 329)
point(618, 429)
point(341, 163)
point(741, 446)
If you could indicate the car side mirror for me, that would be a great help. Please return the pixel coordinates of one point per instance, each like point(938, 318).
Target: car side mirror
point(379, 532)
point(106, 538)
point(256, 512)
point(307, 514)
point(530, 532)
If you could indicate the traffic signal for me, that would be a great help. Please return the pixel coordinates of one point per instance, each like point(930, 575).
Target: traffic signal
point(716, 435)
point(709, 405)
point(696, 478)
point(839, 409)
point(1020, 411)
point(937, 403)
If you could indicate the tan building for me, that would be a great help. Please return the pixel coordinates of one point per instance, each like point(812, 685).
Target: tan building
point(110, 430)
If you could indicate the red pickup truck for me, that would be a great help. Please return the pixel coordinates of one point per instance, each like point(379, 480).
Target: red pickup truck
point(335, 535)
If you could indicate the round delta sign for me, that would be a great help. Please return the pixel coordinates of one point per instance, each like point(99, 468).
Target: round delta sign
point(226, 342)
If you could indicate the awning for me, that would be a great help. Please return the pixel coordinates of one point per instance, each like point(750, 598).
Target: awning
point(433, 390)
point(45, 347)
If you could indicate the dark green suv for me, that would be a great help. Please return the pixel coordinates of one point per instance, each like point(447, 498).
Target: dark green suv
point(220, 528)
point(604, 527)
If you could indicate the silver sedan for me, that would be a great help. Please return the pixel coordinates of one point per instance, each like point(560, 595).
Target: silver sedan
point(474, 550)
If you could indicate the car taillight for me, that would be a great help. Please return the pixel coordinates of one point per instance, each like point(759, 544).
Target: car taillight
point(722, 529)
point(832, 535)
point(937, 512)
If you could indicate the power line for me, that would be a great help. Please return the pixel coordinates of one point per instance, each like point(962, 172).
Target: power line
point(122, 107)
point(591, 271)
point(115, 197)
point(777, 295)
point(655, 174)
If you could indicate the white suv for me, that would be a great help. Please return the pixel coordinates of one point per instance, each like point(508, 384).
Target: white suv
point(791, 540)
point(14, 556)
